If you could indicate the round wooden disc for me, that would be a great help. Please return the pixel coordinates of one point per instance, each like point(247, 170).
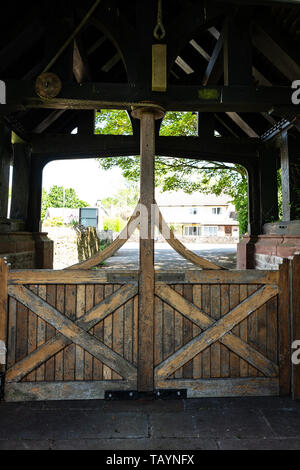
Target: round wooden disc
point(155, 109)
point(48, 85)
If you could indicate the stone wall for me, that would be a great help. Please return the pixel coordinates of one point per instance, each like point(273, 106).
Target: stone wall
point(72, 244)
point(25, 250)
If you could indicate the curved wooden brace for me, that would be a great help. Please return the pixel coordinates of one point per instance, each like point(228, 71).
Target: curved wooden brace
point(109, 251)
point(169, 236)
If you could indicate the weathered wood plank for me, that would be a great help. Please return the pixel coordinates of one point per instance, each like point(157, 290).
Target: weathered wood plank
point(158, 331)
point(118, 332)
point(230, 387)
point(197, 361)
point(59, 357)
point(284, 329)
point(107, 335)
point(72, 332)
point(234, 358)
point(178, 325)
point(50, 332)
point(50, 276)
point(3, 313)
point(128, 331)
point(41, 335)
point(225, 354)
point(88, 358)
point(69, 351)
point(216, 332)
point(98, 330)
point(32, 335)
point(244, 369)
point(252, 330)
point(249, 276)
point(215, 353)
point(296, 323)
point(75, 390)
point(187, 371)
point(79, 352)
point(12, 325)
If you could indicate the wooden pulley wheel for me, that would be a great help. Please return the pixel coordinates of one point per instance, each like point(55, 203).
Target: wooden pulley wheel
point(48, 85)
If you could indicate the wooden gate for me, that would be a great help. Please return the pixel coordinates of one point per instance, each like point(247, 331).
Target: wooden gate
point(74, 334)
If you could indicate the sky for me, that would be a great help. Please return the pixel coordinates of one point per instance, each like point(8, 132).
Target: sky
point(85, 176)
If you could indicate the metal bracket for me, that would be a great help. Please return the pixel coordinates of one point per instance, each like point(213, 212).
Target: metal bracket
point(160, 394)
point(2, 382)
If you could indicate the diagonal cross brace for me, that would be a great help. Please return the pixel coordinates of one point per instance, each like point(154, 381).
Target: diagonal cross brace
point(217, 331)
point(72, 332)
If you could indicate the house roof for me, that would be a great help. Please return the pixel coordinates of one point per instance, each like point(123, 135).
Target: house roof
point(179, 198)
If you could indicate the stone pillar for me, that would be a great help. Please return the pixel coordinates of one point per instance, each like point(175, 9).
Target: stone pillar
point(147, 118)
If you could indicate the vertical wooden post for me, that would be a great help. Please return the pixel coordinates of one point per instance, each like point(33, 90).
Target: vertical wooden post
point(284, 330)
point(21, 182)
point(3, 313)
point(147, 118)
point(296, 324)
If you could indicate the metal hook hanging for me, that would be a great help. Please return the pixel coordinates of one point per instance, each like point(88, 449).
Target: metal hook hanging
point(159, 31)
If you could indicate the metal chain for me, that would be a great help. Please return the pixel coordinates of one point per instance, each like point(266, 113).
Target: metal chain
point(159, 26)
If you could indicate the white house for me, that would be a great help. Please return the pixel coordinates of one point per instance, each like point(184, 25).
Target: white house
point(199, 215)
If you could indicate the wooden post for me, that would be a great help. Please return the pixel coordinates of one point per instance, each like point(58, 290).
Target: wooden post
point(20, 184)
point(5, 159)
point(3, 313)
point(296, 325)
point(284, 330)
point(35, 194)
point(147, 118)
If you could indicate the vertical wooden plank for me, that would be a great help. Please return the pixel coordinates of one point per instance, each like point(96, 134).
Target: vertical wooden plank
point(108, 334)
point(188, 332)
point(146, 286)
point(262, 332)
point(252, 331)
point(234, 358)
point(225, 359)
point(206, 305)
point(158, 331)
point(135, 329)
point(12, 326)
point(215, 350)
point(50, 332)
point(98, 331)
point(59, 357)
point(168, 330)
point(88, 358)
point(128, 328)
point(79, 352)
point(244, 369)
point(296, 323)
point(118, 333)
point(69, 351)
point(3, 313)
point(284, 330)
point(32, 335)
point(178, 335)
point(41, 334)
point(22, 332)
point(272, 329)
point(197, 361)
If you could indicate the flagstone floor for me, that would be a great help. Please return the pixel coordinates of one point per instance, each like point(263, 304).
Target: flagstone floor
point(214, 423)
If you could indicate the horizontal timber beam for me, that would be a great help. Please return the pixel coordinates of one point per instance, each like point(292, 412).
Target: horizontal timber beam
point(57, 147)
point(21, 93)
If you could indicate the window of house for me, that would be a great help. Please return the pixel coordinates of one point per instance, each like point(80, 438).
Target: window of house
point(216, 210)
point(210, 231)
point(190, 231)
point(193, 210)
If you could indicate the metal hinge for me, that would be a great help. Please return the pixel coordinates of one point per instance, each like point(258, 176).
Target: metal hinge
point(160, 394)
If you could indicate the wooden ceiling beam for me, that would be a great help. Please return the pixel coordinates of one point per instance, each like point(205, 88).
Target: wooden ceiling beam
point(21, 93)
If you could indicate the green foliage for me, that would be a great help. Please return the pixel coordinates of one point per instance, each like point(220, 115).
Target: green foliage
point(113, 223)
point(179, 173)
point(113, 121)
point(125, 197)
point(55, 198)
point(54, 222)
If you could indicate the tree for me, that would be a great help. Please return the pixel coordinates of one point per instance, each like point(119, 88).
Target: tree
point(55, 198)
point(179, 173)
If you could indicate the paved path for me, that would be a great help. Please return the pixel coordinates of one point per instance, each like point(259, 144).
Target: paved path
point(167, 258)
point(223, 423)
